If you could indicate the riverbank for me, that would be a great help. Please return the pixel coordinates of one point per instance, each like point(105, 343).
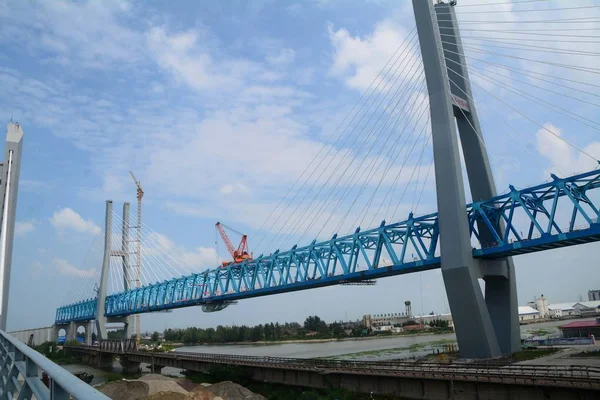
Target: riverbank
point(308, 341)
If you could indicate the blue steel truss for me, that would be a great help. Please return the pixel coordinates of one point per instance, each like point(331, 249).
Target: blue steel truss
point(517, 222)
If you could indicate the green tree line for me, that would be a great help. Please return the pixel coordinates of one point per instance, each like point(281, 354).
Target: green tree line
point(313, 326)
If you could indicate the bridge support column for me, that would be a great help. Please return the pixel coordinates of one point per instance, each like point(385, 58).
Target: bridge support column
point(473, 321)
point(100, 317)
point(71, 331)
point(129, 367)
point(89, 331)
point(104, 361)
point(500, 283)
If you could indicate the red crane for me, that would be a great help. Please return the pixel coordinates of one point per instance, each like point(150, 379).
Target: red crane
point(239, 255)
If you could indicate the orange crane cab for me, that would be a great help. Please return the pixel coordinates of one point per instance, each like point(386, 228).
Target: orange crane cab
point(241, 254)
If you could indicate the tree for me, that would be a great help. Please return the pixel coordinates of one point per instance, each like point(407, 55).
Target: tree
point(315, 323)
point(439, 323)
point(409, 323)
point(155, 336)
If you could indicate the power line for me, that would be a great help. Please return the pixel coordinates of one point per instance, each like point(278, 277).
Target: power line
point(500, 3)
point(516, 11)
point(548, 21)
point(527, 117)
point(410, 35)
point(561, 78)
point(531, 31)
point(332, 147)
point(535, 48)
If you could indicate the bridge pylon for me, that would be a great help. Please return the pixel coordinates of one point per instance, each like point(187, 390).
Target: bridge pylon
point(123, 253)
point(486, 326)
point(9, 186)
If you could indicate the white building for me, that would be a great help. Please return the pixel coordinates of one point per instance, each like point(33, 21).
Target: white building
point(587, 308)
point(527, 313)
point(562, 309)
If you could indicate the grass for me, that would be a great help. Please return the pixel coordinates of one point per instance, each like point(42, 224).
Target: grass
point(525, 355)
point(382, 352)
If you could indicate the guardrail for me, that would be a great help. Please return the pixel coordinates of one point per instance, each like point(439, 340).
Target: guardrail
point(20, 369)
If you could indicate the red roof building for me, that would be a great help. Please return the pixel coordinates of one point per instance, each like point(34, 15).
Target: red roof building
point(581, 328)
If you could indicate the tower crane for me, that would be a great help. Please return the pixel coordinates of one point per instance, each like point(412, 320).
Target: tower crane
point(138, 259)
point(239, 255)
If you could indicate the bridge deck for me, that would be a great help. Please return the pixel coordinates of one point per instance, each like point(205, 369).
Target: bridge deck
point(519, 222)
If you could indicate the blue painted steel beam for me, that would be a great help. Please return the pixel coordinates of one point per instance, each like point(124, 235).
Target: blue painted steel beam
point(530, 216)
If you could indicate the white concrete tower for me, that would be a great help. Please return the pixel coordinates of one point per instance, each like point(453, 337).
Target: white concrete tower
point(9, 185)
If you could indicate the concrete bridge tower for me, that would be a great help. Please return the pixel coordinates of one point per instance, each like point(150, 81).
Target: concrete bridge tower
point(486, 326)
point(9, 187)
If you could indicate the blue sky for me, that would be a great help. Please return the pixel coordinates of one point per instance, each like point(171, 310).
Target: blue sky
point(218, 107)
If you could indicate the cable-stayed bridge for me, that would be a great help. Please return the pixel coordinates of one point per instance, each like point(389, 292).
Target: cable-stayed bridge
point(392, 126)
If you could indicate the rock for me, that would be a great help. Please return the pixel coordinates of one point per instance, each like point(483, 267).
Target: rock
point(200, 393)
point(125, 390)
point(158, 387)
point(232, 391)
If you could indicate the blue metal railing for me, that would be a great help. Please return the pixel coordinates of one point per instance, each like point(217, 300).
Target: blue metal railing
point(517, 222)
point(20, 367)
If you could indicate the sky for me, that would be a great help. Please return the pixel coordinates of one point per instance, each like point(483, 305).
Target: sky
point(220, 107)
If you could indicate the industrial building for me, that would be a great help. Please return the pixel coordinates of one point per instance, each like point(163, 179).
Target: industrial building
point(528, 313)
point(380, 320)
point(594, 295)
point(541, 305)
point(581, 329)
point(574, 309)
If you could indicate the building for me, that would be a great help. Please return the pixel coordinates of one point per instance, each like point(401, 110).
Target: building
point(587, 308)
point(528, 313)
point(559, 310)
point(541, 304)
point(426, 319)
point(581, 329)
point(372, 321)
point(594, 295)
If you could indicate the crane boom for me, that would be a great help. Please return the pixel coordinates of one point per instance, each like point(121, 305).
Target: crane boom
point(225, 238)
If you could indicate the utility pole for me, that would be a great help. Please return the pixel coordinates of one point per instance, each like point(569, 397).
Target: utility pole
point(138, 258)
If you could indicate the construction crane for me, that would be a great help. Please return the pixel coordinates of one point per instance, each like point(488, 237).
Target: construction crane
point(239, 255)
point(138, 258)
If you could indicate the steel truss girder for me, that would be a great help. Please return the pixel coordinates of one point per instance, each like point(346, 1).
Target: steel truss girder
point(410, 246)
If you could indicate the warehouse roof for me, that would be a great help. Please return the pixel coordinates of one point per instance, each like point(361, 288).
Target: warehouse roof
point(527, 310)
point(562, 306)
point(581, 324)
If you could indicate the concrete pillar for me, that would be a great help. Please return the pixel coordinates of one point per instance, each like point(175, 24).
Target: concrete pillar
point(71, 331)
point(474, 330)
point(129, 367)
point(100, 317)
point(89, 330)
point(9, 187)
point(500, 289)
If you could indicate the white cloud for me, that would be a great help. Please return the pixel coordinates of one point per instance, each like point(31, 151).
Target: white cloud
point(563, 156)
point(89, 32)
point(69, 219)
point(285, 56)
point(358, 60)
point(234, 188)
point(24, 227)
point(64, 268)
point(176, 259)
